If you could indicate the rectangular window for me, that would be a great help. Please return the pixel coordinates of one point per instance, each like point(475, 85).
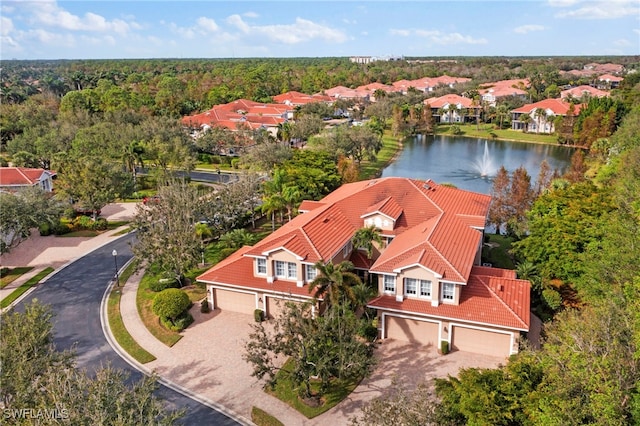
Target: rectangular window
point(280, 269)
point(389, 284)
point(261, 266)
point(410, 286)
point(448, 291)
point(425, 288)
point(310, 272)
point(291, 270)
point(347, 250)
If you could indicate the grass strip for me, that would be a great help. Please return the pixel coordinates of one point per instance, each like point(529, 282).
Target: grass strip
point(7, 276)
point(144, 300)
point(286, 392)
point(262, 418)
point(118, 329)
point(390, 147)
point(24, 287)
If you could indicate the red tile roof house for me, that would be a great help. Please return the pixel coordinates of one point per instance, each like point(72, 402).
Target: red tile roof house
point(608, 81)
point(493, 92)
point(543, 123)
point(465, 109)
point(13, 179)
point(294, 98)
point(583, 91)
point(255, 115)
point(431, 287)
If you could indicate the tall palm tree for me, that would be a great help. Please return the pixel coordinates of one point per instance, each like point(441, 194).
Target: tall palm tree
point(525, 119)
point(541, 115)
point(336, 282)
point(365, 237)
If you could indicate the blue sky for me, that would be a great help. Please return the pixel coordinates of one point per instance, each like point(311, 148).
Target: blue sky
point(48, 29)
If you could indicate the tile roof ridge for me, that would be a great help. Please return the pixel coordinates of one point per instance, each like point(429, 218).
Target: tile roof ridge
point(306, 236)
point(443, 257)
point(19, 169)
point(480, 278)
point(424, 194)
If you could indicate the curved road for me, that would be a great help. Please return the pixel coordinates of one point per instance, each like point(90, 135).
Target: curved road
point(75, 295)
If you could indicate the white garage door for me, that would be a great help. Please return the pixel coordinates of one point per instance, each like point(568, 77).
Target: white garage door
point(227, 300)
point(480, 341)
point(411, 330)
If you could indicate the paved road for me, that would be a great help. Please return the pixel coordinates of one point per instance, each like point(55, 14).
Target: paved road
point(75, 294)
point(202, 176)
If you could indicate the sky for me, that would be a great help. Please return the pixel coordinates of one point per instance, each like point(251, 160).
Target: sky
point(49, 29)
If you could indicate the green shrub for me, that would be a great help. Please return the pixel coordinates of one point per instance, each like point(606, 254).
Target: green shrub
point(99, 224)
point(368, 331)
point(204, 306)
point(552, 298)
point(82, 222)
point(62, 227)
point(444, 347)
point(163, 284)
point(45, 229)
point(170, 303)
point(215, 159)
point(180, 323)
point(258, 315)
point(235, 162)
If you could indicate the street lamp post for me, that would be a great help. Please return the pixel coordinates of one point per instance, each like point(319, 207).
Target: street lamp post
point(114, 253)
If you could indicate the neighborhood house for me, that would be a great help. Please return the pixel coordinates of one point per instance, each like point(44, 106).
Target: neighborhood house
point(13, 179)
point(431, 285)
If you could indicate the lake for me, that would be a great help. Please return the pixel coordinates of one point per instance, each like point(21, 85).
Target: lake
point(471, 163)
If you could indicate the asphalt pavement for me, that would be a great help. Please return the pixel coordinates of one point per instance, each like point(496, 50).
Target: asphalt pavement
point(75, 295)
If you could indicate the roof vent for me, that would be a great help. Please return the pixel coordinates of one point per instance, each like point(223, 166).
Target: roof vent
point(426, 186)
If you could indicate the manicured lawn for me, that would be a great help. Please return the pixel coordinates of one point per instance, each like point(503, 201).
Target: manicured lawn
point(116, 324)
point(24, 287)
point(486, 131)
point(80, 233)
point(498, 253)
point(390, 146)
point(286, 392)
point(262, 418)
point(7, 276)
point(144, 300)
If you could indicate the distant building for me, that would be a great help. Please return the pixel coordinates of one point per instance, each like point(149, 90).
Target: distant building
point(13, 179)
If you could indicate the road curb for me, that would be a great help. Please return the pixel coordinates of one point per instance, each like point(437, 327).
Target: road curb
point(104, 322)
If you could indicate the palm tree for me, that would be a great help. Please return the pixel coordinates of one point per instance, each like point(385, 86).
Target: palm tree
point(541, 115)
point(525, 119)
point(336, 282)
point(501, 113)
point(237, 238)
point(364, 239)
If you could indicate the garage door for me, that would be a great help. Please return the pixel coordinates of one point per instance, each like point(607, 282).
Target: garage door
point(410, 330)
point(274, 307)
point(227, 300)
point(480, 341)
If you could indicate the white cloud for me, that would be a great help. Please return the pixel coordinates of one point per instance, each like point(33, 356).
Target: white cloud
point(301, 30)
point(207, 24)
point(438, 37)
point(250, 15)
point(6, 26)
point(610, 9)
point(623, 42)
point(636, 30)
point(48, 13)
point(524, 29)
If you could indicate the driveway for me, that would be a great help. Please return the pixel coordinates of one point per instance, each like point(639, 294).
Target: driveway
point(211, 365)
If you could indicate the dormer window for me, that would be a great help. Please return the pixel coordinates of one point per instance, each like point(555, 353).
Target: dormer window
point(448, 291)
point(285, 269)
point(389, 283)
point(261, 266)
point(310, 272)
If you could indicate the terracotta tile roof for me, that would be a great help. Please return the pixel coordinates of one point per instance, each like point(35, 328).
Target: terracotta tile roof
point(255, 114)
point(555, 106)
point(372, 87)
point(238, 271)
point(487, 299)
point(609, 77)
point(22, 176)
point(387, 207)
point(514, 83)
point(308, 205)
point(449, 99)
point(579, 91)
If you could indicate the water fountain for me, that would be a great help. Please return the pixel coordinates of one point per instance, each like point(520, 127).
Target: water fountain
point(484, 165)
